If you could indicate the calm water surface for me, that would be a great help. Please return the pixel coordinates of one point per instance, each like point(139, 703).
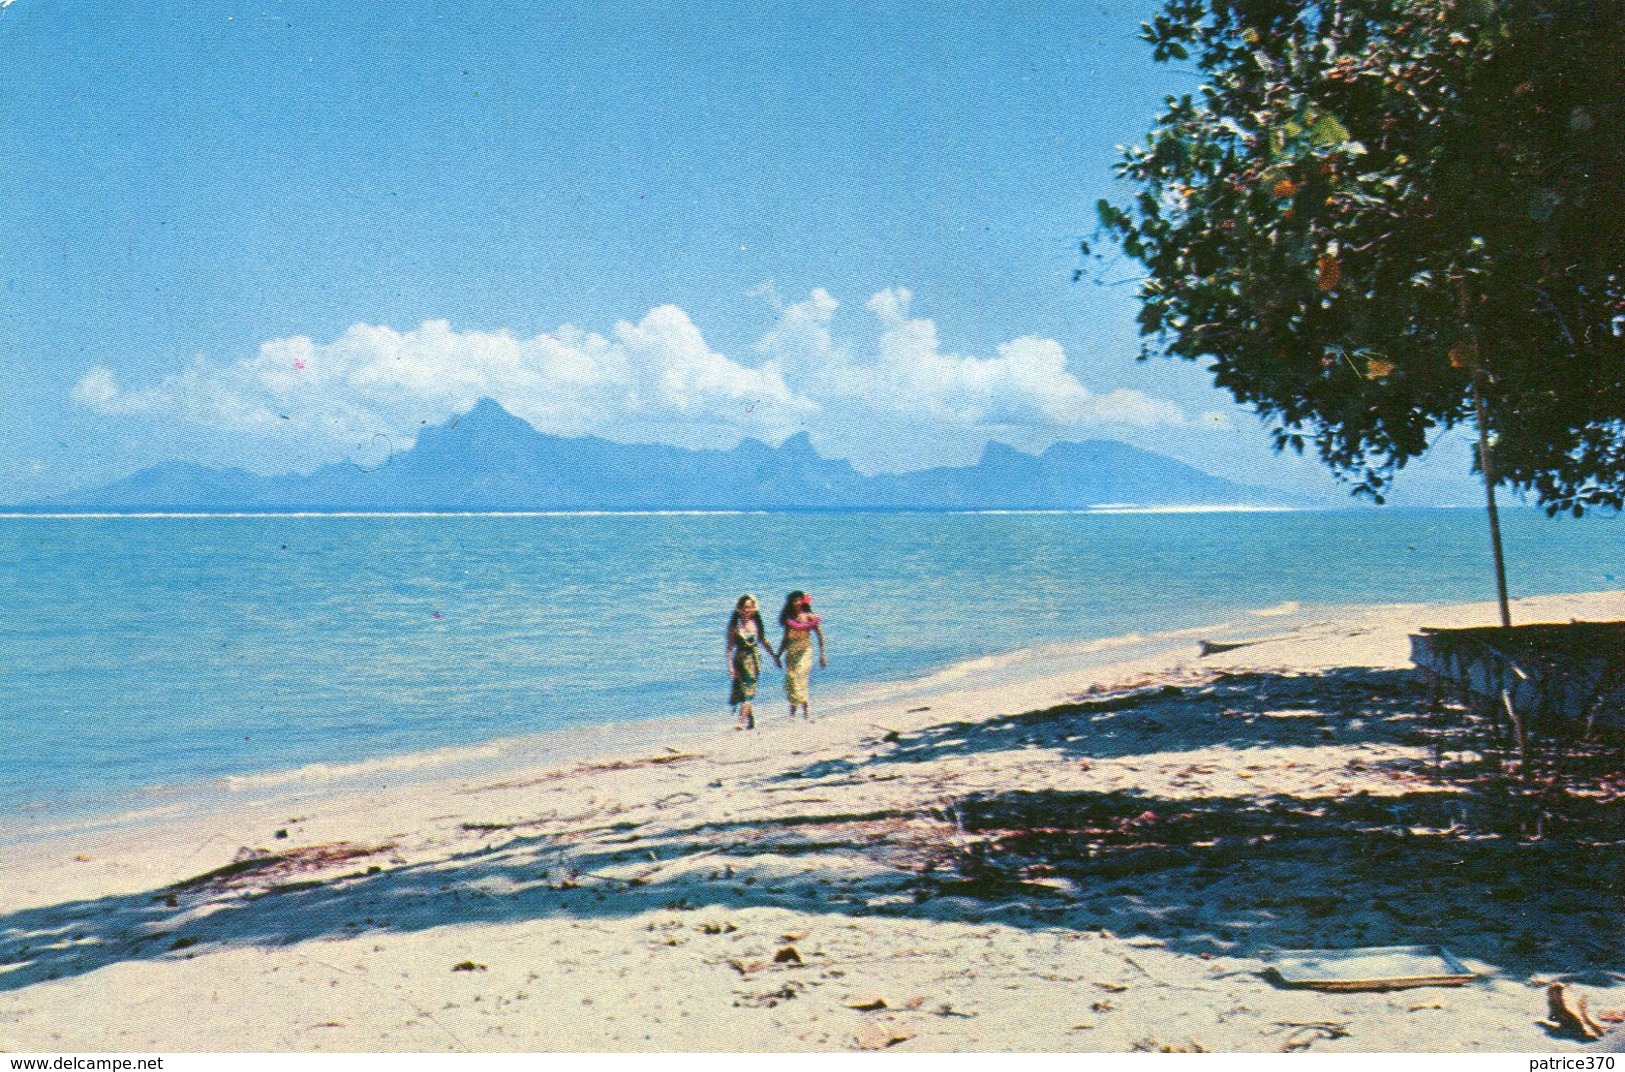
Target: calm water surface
point(148, 651)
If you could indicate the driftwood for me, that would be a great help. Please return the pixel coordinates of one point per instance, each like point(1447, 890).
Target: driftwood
point(258, 864)
point(1216, 647)
point(1571, 1020)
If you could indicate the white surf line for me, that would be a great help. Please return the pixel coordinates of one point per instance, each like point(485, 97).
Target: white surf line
point(1110, 509)
point(149, 516)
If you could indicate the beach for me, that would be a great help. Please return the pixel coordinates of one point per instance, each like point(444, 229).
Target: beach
point(1059, 852)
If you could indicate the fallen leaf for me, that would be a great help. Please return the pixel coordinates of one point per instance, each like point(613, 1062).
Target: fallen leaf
point(787, 955)
point(746, 967)
point(771, 999)
point(1304, 1034)
point(914, 1002)
point(880, 1036)
point(866, 1002)
point(1111, 988)
point(468, 966)
point(1419, 1006)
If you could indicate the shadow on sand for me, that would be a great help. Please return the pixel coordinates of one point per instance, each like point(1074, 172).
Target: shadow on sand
point(1523, 876)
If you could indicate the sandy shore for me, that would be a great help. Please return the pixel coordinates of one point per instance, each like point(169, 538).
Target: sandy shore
point(1059, 855)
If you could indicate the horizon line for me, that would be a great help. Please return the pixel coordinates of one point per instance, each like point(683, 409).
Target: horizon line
point(1104, 510)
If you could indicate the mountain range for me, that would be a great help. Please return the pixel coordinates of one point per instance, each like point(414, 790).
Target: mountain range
point(490, 460)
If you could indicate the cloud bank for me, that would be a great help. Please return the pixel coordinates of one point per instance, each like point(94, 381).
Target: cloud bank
point(887, 403)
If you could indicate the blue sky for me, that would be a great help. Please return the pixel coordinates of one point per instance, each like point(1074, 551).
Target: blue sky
point(284, 233)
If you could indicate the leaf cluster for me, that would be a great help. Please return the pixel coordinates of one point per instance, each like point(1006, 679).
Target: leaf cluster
point(1371, 208)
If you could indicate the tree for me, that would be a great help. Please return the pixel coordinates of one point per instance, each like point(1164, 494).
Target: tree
point(1378, 219)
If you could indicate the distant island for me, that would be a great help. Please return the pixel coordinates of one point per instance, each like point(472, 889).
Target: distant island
point(490, 460)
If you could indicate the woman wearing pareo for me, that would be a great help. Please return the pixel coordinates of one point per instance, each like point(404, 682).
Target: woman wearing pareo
point(800, 626)
point(747, 637)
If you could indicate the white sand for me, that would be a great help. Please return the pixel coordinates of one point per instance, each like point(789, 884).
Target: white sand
point(645, 901)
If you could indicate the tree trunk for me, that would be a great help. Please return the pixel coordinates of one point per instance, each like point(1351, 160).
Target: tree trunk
point(1484, 466)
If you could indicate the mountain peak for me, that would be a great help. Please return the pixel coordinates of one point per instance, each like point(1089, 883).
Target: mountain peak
point(487, 412)
point(996, 453)
point(489, 459)
point(799, 445)
point(487, 424)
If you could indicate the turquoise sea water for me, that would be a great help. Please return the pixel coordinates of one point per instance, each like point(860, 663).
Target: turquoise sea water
point(155, 651)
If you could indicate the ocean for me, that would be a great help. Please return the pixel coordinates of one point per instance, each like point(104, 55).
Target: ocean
point(143, 654)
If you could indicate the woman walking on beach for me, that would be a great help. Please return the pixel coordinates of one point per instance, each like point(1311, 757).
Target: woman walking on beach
point(747, 636)
point(800, 626)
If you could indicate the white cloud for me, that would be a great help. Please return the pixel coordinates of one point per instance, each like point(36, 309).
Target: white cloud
point(801, 342)
point(1026, 385)
point(895, 401)
point(97, 390)
point(374, 380)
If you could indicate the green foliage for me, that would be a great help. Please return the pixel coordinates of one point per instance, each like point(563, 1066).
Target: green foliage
point(1370, 202)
